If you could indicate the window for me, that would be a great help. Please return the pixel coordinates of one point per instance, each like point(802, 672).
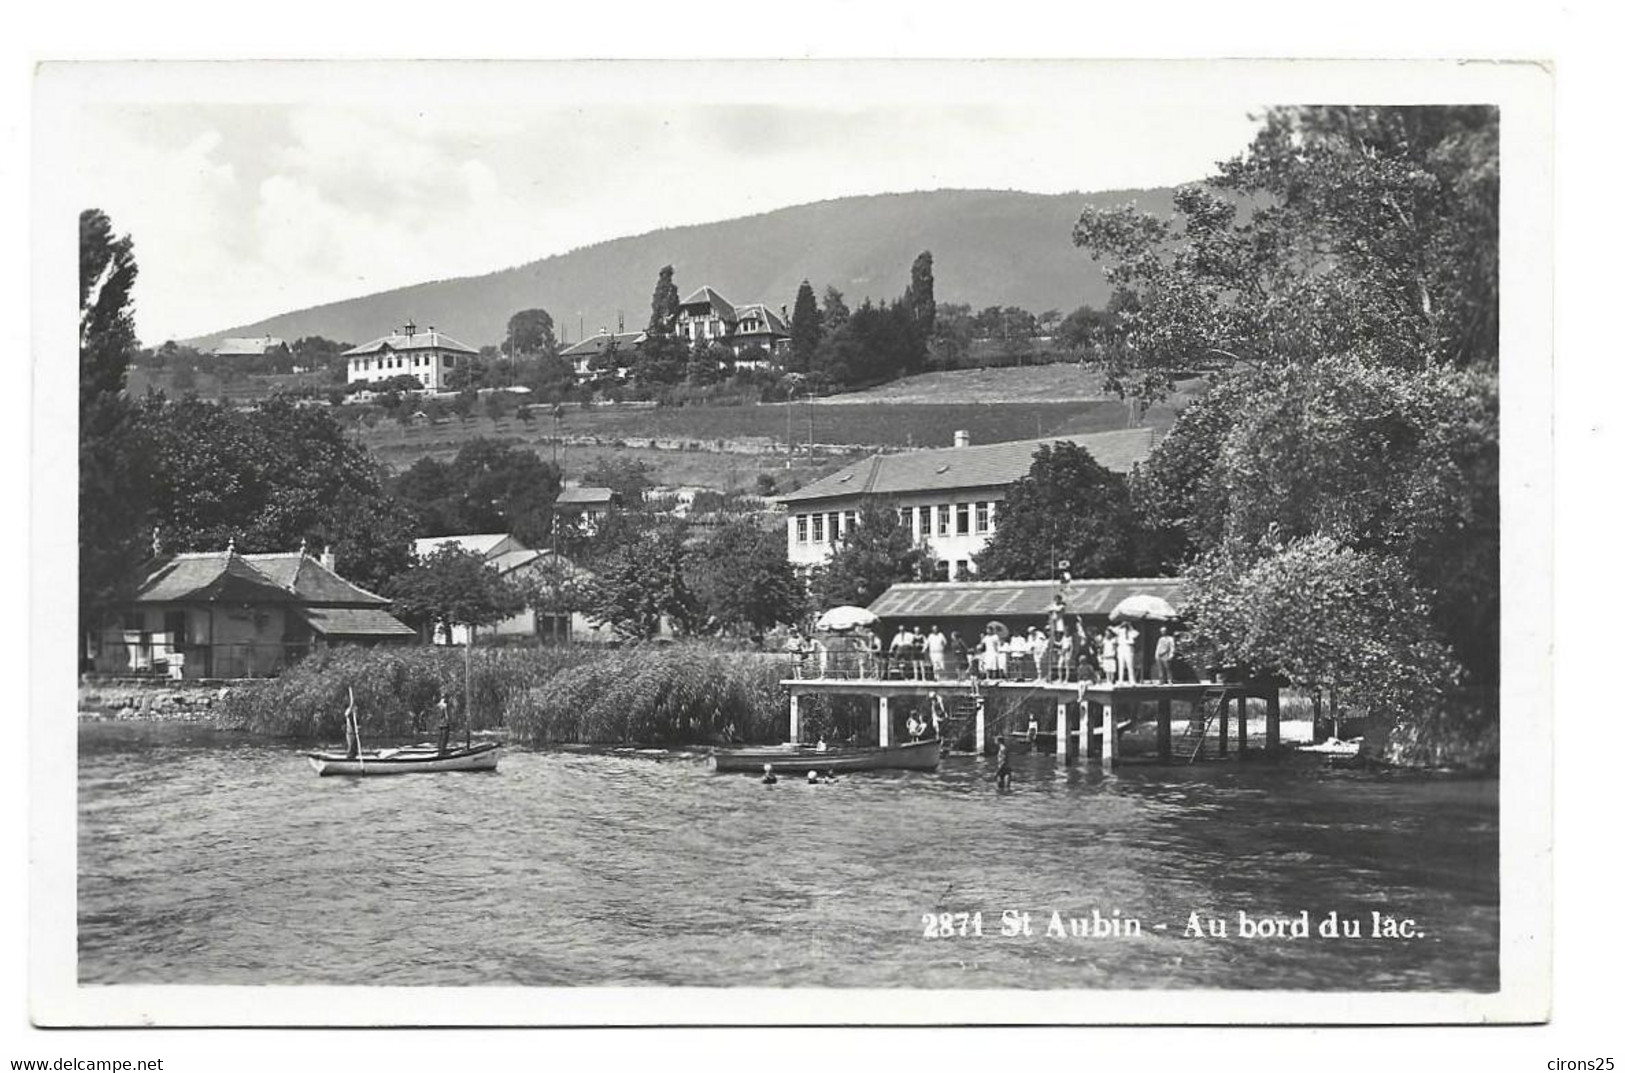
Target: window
point(851, 519)
point(944, 518)
point(981, 517)
point(942, 570)
point(991, 509)
point(801, 529)
point(834, 526)
point(818, 528)
point(961, 569)
point(962, 519)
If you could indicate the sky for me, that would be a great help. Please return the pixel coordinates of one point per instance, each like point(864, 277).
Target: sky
point(245, 200)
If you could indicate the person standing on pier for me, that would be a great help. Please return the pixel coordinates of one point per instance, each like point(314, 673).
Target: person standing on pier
point(1127, 649)
point(1038, 642)
point(936, 649)
point(1165, 655)
point(902, 642)
point(1065, 653)
point(1108, 655)
point(961, 654)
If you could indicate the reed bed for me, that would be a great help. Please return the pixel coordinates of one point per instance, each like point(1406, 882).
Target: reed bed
point(655, 695)
point(396, 691)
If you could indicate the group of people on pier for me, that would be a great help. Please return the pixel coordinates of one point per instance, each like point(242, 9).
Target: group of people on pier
point(1068, 651)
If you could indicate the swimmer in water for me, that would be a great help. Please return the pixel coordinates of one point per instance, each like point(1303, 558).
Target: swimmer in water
point(1004, 774)
point(812, 777)
point(767, 774)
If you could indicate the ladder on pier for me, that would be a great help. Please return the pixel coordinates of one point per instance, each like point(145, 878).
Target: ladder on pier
point(957, 717)
point(1188, 746)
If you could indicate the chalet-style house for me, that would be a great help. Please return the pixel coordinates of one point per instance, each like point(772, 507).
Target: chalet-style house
point(580, 355)
point(427, 356)
point(948, 498)
point(584, 507)
point(218, 614)
point(705, 318)
point(251, 348)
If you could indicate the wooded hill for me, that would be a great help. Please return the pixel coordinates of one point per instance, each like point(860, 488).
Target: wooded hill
point(990, 247)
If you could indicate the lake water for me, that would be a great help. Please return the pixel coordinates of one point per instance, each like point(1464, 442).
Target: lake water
point(207, 857)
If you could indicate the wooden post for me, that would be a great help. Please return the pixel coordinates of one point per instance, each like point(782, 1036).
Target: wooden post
point(1165, 729)
point(981, 726)
point(885, 721)
point(1091, 730)
point(1272, 721)
point(1224, 725)
point(1062, 735)
point(795, 718)
point(1108, 735)
point(1241, 725)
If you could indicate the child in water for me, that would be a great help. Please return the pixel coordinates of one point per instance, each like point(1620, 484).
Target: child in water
point(767, 775)
point(1004, 775)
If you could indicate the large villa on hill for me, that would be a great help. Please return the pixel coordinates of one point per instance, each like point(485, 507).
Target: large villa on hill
point(705, 317)
point(427, 356)
point(948, 498)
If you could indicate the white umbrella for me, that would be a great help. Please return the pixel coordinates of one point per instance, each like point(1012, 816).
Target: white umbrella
point(846, 618)
point(1143, 607)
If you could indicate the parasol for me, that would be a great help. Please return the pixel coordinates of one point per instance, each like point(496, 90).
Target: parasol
point(846, 618)
point(1144, 608)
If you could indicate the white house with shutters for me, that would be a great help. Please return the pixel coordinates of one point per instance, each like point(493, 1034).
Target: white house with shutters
point(947, 497)
point(428, 356)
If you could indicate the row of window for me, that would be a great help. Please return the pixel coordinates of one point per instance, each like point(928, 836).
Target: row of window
point(945, 519)
point(948, 519)
point(399, 361)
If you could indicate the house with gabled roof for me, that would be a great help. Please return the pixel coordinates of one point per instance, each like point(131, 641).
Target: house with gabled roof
point(582, 355)
point(427, 356)
point(947, 498)
point(219, 614)
point(705, 318)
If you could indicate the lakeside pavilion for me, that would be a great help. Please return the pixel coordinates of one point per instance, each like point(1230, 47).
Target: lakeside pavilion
point(1084, 719)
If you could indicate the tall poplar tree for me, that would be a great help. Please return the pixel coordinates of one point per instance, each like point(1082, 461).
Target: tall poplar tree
point(806, 329)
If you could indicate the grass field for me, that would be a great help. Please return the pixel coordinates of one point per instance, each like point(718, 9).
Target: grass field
point(724, 447)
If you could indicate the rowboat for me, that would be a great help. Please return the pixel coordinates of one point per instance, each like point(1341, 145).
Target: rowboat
point(799, 759)
point(411, 759)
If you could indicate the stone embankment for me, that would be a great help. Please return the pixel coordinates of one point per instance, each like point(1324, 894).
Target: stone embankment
point(158, 700)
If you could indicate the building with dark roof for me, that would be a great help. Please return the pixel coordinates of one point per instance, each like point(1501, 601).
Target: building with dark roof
point(580, 355)
point(705, 318)
point(218, 614)
point(948, 497)
point(426, 356)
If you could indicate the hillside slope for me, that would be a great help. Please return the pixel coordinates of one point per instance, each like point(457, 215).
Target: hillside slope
point(989, 247)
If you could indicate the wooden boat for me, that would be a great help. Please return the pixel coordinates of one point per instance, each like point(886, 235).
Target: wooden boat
point(412, 759)
point(800, 759)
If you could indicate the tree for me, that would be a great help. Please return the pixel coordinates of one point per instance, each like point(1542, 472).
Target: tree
point(269, 480)
point(1068, 508)
point(1370, 231)
point(627, 478)
point(1327, 616)
point(663, 306)
point(742, 580)
point(806, 329)
point(530, 335)
point(488, 487)
point(835, 310)
point(454, 587)
point(637, 577)
point(873, 555)
point(113, 475)
point(921, 295)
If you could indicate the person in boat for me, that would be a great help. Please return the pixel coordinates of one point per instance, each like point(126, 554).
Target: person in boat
point(767, 775)
point(915, 728)
point(445, 727)
point(1003, 772)
point(352, 745)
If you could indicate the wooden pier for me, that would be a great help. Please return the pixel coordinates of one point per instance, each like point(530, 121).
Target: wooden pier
point(1089, 716)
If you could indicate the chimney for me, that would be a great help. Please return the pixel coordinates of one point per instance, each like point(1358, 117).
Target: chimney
point(327, 560)
point(961, 438)
point(411, 329)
